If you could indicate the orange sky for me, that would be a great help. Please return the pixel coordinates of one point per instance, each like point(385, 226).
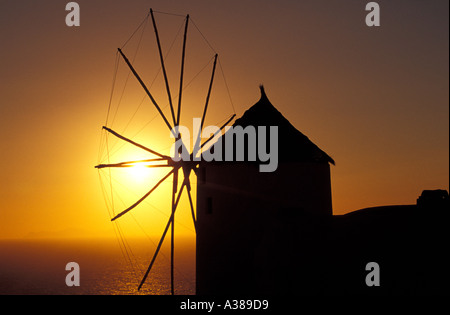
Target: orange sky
point(375, 99)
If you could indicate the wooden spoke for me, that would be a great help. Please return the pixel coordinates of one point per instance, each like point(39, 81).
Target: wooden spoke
point(197, 143)
point(145, 88)
point(192, 210)
point(143, 197)
point(136, 144)
point(133, 163)
point(163, 67)
point(162, 238)
point(223, 126)
point(182, 71)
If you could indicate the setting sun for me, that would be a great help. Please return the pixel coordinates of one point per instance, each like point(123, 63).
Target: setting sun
point(140, 173)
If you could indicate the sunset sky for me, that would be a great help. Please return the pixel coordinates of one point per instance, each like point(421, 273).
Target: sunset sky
point(376, 99)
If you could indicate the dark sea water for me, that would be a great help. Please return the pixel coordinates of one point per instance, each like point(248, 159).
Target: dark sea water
point(39, 267)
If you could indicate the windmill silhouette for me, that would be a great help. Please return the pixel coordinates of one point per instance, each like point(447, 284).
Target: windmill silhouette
point(186, 166)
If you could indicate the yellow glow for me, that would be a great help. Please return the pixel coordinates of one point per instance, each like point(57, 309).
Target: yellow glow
point(140, 173)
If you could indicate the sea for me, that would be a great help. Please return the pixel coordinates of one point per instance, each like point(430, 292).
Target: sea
point(106, 267)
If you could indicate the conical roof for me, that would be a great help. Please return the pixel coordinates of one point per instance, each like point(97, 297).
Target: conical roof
point(293, 146)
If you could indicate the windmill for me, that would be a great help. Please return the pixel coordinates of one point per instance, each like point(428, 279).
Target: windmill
point(158, 160)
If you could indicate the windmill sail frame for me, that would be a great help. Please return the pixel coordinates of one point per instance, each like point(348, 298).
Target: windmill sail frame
point(186, 166)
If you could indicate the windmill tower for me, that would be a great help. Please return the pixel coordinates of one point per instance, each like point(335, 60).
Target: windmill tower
point(251, 224)
point(180, 167)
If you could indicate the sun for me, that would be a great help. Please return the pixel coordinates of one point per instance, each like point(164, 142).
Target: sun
point(139, 173)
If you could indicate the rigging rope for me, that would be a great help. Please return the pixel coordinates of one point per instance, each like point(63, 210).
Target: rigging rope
point(117, 231)
point(135, 31)
point(116, 226)
point(116, 67)
point(226, 85)
point(210, 46)
point(168, 13)
point(133, 59)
